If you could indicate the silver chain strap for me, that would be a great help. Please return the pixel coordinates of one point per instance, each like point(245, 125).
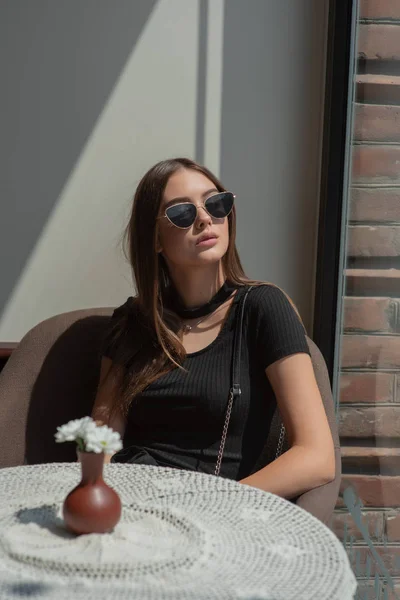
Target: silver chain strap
point(280, 441)
point(235, 389)
point(224, 433)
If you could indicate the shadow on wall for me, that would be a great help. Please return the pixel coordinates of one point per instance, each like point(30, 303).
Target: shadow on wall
point(60, 61)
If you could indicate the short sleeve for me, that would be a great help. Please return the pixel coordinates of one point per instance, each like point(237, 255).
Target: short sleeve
point(276, 325)
point(120, 314)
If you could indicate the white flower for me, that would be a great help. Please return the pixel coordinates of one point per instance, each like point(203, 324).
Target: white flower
point(74, 429)
point(102, 439)
point(89, 436)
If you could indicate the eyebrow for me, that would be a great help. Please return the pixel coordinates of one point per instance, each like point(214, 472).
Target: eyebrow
point(186, 199)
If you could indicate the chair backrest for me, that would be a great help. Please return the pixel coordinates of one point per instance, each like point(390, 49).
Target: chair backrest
point(50, 378)
point(57, 365)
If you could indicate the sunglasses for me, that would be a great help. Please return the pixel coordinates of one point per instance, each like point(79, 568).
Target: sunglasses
point(184, 214)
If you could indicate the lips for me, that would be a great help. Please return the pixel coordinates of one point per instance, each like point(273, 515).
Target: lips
point(206, 236)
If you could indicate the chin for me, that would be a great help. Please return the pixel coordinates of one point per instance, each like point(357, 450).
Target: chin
point(210, 255)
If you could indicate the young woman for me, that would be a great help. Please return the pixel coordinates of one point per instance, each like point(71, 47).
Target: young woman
point(166, 370)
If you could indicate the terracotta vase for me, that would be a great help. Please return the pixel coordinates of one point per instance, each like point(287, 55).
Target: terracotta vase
point(92, 507)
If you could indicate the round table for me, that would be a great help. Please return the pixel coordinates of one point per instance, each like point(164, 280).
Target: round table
point(182, 535)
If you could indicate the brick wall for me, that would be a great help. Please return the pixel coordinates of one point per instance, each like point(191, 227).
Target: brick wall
point(369, 417)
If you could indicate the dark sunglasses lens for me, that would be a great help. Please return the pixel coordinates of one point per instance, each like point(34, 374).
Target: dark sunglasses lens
point(220, 205)
point(182, 215)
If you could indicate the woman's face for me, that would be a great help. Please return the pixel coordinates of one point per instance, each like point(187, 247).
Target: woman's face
point(206, 241)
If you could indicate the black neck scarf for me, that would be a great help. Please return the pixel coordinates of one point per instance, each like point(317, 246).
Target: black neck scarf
point(205, 309)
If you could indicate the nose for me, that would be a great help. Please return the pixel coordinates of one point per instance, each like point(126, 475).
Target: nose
point(203, 218)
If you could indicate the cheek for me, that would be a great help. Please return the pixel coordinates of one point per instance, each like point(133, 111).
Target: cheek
point(225, 233)
point(171, 240)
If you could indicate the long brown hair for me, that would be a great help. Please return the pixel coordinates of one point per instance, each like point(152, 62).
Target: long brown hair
point(147, 340)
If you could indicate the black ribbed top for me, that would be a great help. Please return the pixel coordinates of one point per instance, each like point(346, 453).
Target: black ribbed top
point(177, 421)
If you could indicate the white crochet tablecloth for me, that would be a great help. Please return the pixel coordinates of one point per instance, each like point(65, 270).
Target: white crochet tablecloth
point(182, 535)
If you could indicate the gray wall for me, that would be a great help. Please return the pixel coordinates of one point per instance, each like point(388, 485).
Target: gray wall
point(271, 135)
point(95, 92)
point(60, 63)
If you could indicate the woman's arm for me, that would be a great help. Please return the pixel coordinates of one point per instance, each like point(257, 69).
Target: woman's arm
point(106, 393)
point(310, 460)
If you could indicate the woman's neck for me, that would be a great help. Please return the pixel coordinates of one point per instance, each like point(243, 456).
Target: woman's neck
point(197, 286)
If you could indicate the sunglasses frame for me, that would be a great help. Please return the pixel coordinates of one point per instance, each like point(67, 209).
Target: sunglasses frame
point(165, 216)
